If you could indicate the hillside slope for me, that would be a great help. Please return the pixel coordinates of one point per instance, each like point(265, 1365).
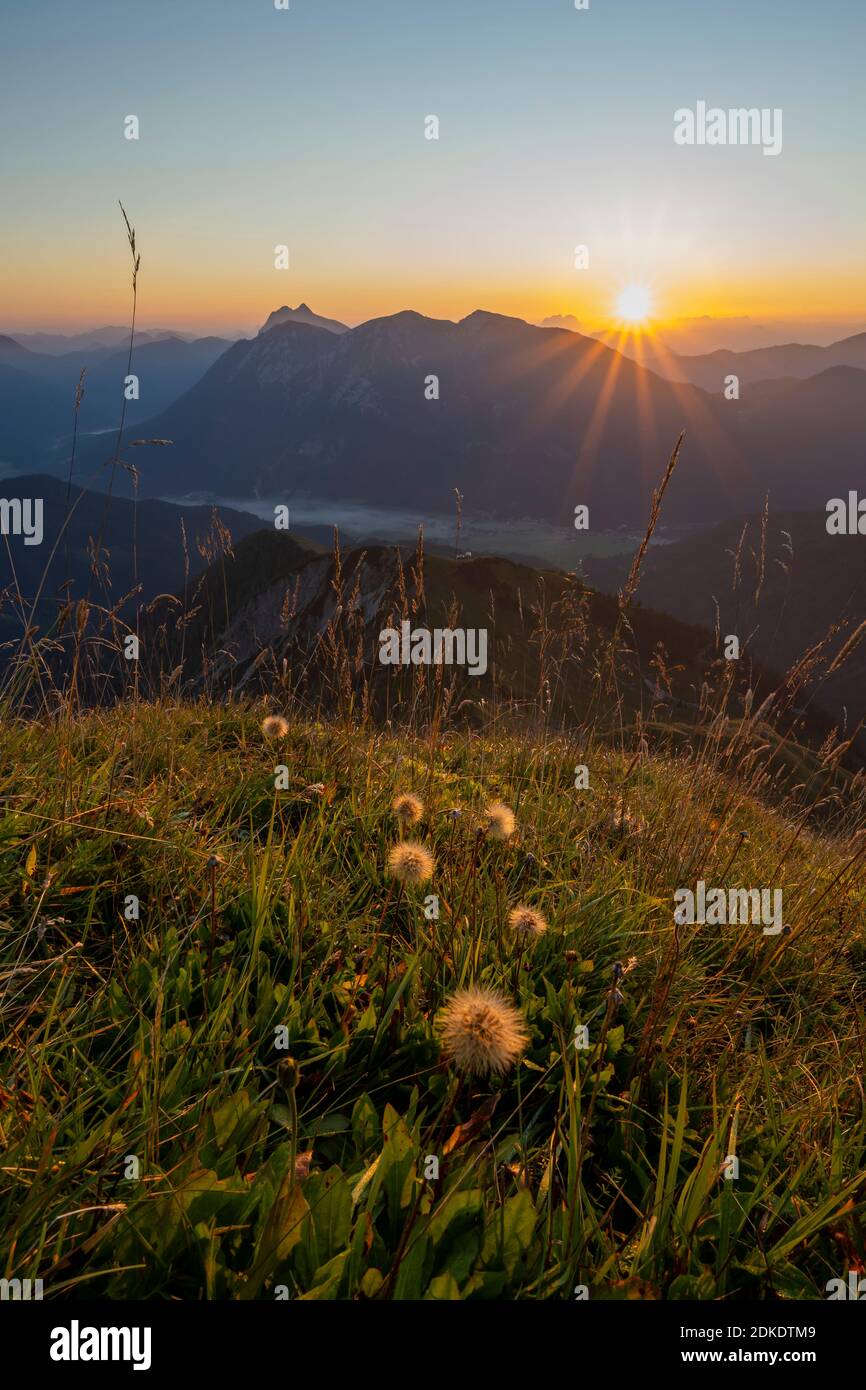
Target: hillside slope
point(106, 548)
point(782, 597)
point(222, 980)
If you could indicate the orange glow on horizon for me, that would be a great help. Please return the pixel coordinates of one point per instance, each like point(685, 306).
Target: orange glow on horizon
point(81, 292)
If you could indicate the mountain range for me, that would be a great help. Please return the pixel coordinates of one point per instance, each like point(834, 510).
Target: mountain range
point(111, 336)
point(402, 410)
point(523, 420)
point(38, 389)
point(279, 609)
point(799, 360)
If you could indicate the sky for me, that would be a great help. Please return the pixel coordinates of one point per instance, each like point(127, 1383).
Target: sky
point(306, 127)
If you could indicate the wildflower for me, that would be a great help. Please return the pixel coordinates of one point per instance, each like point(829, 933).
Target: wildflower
point(410, 862)
point(481, 1032)
point(407, 808)
point(500, 821)
point(526, 923)
point(275, 726)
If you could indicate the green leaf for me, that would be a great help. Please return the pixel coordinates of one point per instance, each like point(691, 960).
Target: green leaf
point(329, 1197)
point(395, 1172)
point(365, 1125)
point(443, 1289)
point(509, 1236)
point(281, 1232)
point(410, 1280)
point(458, 1214)
point(327, 1279)
point(328, 1125)
point(372, 1283)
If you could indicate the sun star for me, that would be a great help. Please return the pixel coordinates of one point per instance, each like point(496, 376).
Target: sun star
point(634, 303)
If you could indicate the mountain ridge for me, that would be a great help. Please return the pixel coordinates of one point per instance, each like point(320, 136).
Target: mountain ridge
point(405, 408)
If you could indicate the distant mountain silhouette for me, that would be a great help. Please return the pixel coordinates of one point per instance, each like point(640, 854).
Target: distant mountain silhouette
point(303, 314)
point(704, 335)
point(528, 421)
point(33, 413)
point(561, 321)
point(112, 336)
point(709, 370)
point(166, 368)
point(13, 353)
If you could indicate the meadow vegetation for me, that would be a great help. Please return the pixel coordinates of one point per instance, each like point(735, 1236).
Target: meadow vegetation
point(268, 1041)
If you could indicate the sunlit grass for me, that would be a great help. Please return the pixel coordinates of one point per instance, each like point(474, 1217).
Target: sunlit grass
point(156, 1038)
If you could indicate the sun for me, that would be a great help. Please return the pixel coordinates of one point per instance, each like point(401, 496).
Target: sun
point(635, 303)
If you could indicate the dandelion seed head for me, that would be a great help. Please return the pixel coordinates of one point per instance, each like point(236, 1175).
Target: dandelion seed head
point(410, 862)
point(526, 923)
point(500, 821)
point(481, 1032)
point(275, 726)
point(408, 808)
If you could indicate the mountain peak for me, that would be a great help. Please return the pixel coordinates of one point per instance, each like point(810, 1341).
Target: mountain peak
point(485, 318)
point(303, 314)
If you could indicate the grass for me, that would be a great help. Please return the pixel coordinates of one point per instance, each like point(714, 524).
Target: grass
point(238, 1094)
